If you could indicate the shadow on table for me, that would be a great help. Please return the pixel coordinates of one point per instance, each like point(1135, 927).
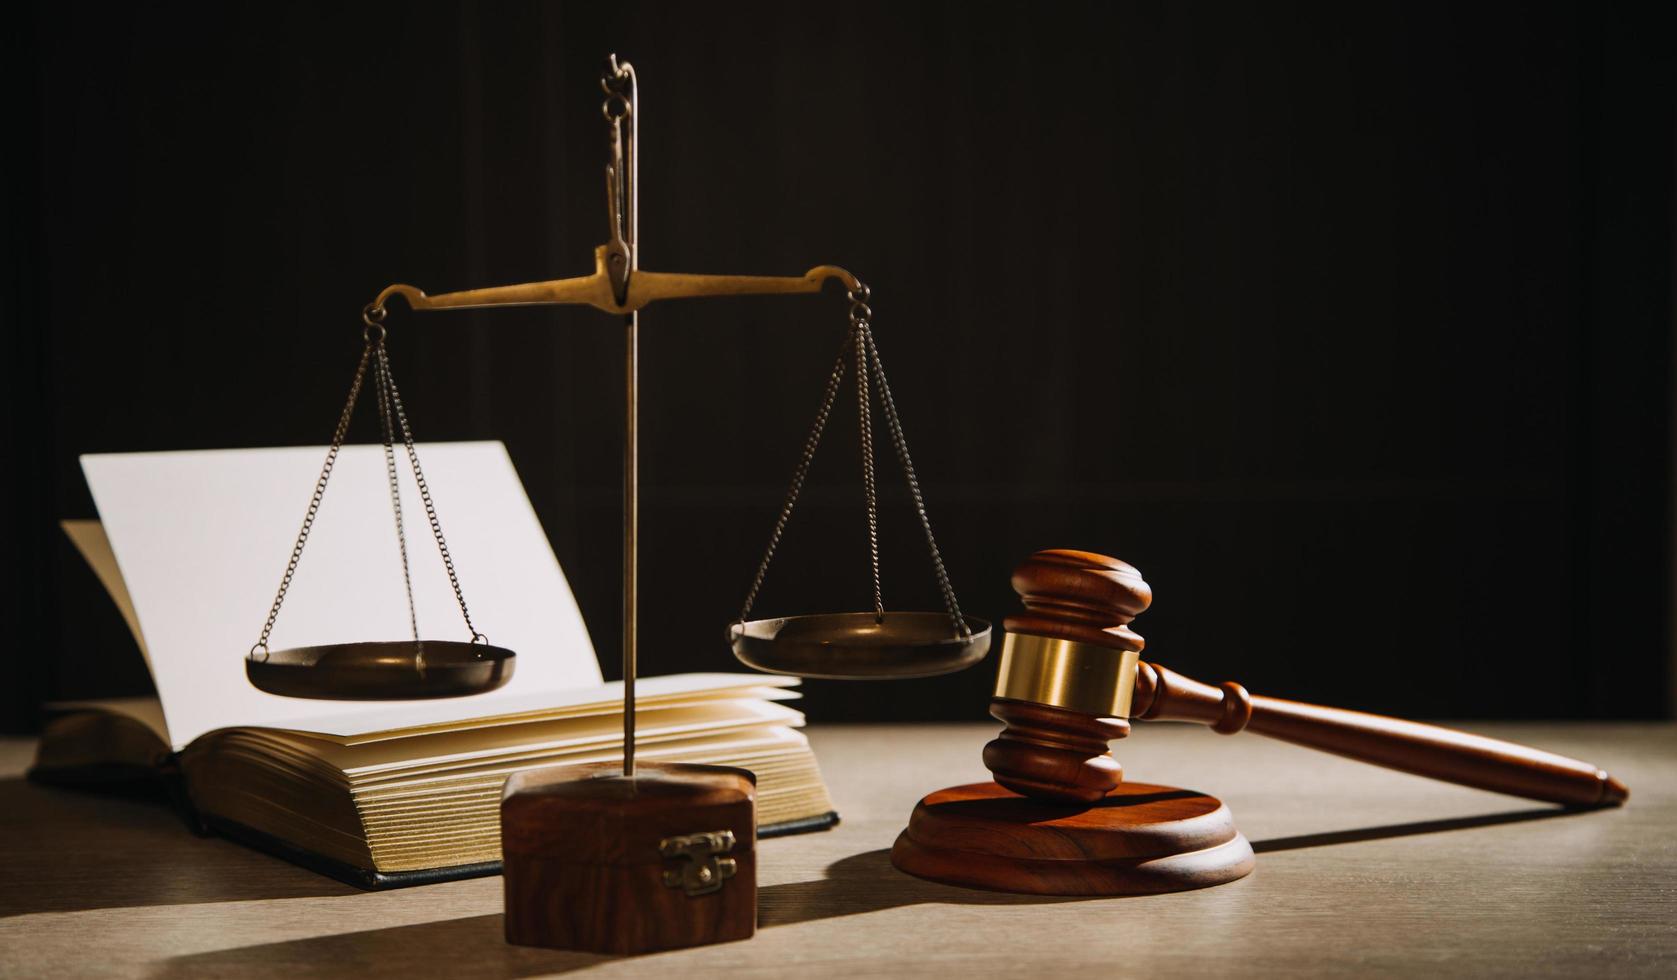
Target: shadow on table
point(474, 947)
point(72, 850)
point(1408, 829)
point(468, 947)
point(867, 882)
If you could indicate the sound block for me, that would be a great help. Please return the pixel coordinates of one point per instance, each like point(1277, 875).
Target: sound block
point(1139, 839)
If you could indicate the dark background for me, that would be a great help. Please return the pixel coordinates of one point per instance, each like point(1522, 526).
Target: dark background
point(1349, 324)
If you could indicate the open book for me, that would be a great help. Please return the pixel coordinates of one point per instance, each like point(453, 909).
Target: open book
point(190, 548)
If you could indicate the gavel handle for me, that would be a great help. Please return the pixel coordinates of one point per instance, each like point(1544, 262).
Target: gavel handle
point(1425, 750)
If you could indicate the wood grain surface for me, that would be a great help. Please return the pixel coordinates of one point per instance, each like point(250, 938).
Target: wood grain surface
point(1139, 839)
point(584, 868)
point(1359, 871)
point(1425, 750)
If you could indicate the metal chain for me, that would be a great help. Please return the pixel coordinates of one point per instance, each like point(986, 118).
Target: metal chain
point(390, 399)
point(319, 489)
point(860, 335)
point(382, 379)
point(425, 494)
point(798, 474)
point(858, 326)
point(901, 442)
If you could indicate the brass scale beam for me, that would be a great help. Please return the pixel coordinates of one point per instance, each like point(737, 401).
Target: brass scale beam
point(619, 285)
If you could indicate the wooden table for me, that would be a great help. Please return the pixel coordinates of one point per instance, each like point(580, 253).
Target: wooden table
point(1397, 877)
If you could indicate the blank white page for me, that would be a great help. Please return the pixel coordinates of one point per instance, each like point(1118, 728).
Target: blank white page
point(202, 538)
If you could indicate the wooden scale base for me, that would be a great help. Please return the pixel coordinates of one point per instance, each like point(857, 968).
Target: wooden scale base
point(1138, 840)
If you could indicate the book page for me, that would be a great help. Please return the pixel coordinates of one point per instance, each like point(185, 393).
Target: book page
point(89, 539)
point(460, 747)
point(146, 711)
point(429, 717)
point(202, 538)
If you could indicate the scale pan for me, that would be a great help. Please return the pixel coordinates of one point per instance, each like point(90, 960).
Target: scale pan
point(396, 671)
point(857, 646)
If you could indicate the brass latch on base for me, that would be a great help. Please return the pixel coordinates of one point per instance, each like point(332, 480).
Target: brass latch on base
point(702, 872)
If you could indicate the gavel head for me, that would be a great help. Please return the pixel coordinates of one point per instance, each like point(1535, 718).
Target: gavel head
point(1068, 669)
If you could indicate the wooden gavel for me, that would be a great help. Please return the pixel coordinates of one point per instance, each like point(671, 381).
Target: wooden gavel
point(1071, 678)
